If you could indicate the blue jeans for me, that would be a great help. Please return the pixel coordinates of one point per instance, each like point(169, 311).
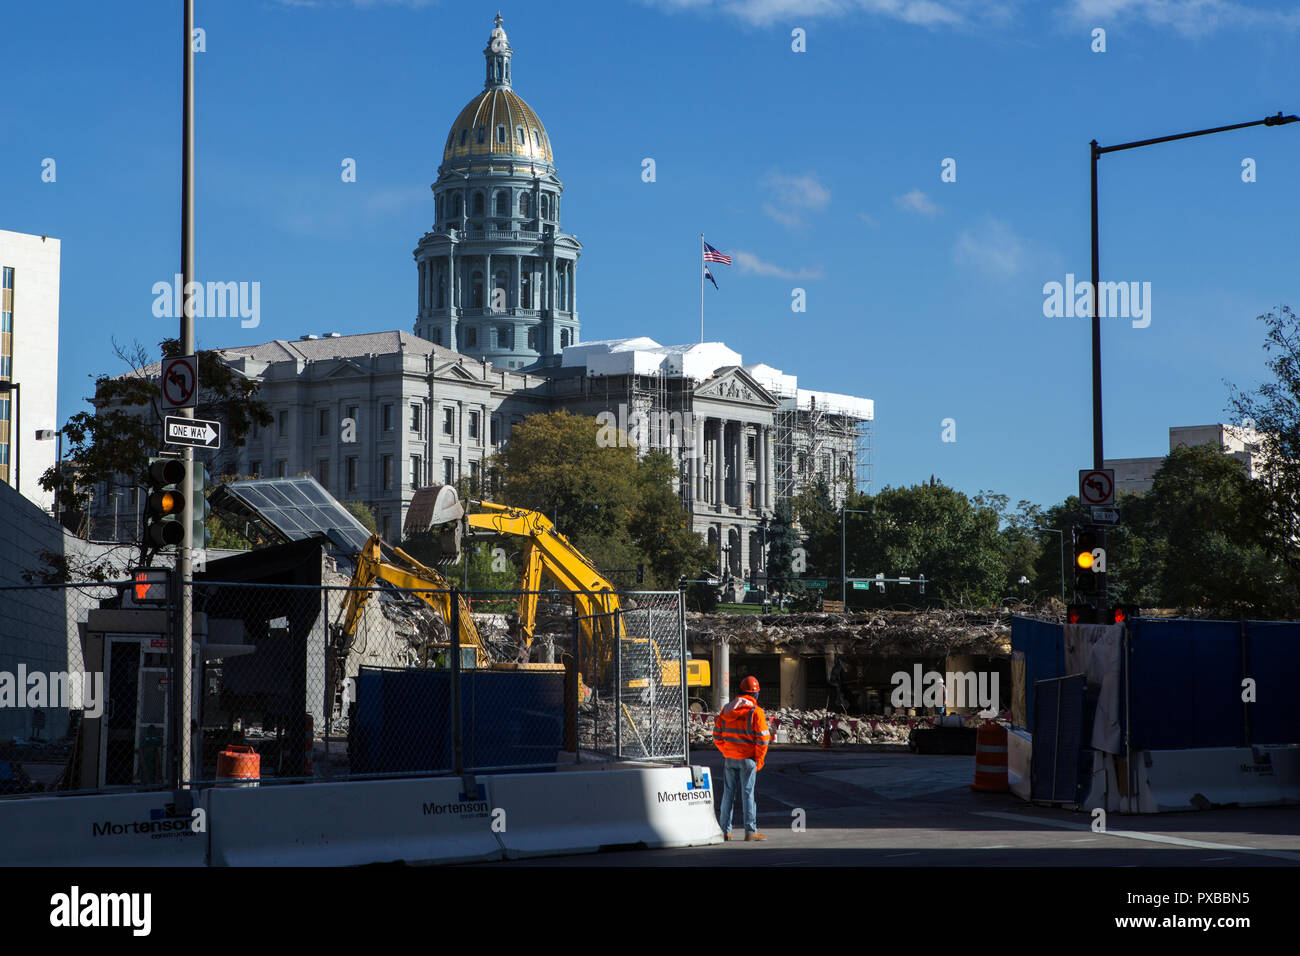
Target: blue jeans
point(738, 779)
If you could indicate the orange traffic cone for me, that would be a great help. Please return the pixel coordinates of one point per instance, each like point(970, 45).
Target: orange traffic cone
point(991, 758)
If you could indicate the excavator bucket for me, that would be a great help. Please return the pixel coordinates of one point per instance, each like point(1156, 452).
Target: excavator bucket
point(437, 509)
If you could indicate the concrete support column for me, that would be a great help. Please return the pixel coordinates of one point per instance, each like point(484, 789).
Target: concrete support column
point(721, 674)
point(794, 681)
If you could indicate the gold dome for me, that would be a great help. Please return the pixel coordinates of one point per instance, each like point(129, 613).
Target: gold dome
point(506, 125)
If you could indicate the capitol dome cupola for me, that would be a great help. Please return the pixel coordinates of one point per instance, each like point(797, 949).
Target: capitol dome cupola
point(497, 275)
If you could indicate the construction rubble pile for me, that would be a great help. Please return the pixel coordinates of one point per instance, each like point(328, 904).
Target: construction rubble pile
point(917, 634)
point(790, 726)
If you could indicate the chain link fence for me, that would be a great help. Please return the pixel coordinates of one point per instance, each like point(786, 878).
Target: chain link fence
point(301, 682)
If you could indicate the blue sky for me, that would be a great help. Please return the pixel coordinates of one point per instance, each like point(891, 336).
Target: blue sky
point(818, 170)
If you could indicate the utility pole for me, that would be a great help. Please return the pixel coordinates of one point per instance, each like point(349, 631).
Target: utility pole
point(185, 650)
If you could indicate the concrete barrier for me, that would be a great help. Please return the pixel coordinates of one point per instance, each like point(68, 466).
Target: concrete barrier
point(128, 829)
point(1217, 776)
point(1020, 748)
point(547, 814)
point(346, 824)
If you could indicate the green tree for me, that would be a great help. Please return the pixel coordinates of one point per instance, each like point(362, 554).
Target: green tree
point(619, 511)
point(930, 529)
point(117, 439)
point(1019, 543)
point(1273, 410)
point(820, 521)
point(782, 539)
point(363, 513)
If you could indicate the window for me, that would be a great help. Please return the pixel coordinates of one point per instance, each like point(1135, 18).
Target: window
point(281, 468)
point(352, 414)
point(257, 430)
point(505, 337)
point(415, 417)
point(6, 321)
point(525, 204)
point(464, 135)
point(471, 337)
point(283, 420)
point(323, 472)
point(503, 203)
point(476, 290)
point(448, 471)
point(386, 473)
point(520, 138)
point(448, 421)
point(473, 425)
point(481, 136)
point(495, 430)
point(526, 290)
point(478, 204)
point(442, 291)
point(437, 336)
point(537, 140)
point(474, 474)
point(323, 422)
point(388, 417)
point(750, 488)
point(544, 204)
point(255, 468)
point(417, 470)
point(501, 135)
point(352, 473)
point(8, 277)
point(532, 338)
point(564, 338)
point(751, 447)
point(455, 206)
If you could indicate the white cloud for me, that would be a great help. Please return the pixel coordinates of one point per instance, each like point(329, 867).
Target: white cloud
point(750, 264)
point(991, 248)
point(794, 197)
point(917, 202)
point(1187, 17)
point(869, 219)
point(926, 13)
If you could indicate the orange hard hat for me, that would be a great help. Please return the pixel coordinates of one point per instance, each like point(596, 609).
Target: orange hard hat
point(749, 685)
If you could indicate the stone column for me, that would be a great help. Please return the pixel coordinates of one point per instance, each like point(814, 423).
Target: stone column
point(719, 466)
point(794, 684)
point(519, 282)
point(721, 673)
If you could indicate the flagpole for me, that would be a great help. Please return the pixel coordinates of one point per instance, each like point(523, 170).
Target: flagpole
point(701, 287)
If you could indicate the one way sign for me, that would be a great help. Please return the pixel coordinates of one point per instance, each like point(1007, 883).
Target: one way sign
point(193, 431)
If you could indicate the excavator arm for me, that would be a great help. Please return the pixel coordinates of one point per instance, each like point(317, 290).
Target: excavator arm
point(421, 581)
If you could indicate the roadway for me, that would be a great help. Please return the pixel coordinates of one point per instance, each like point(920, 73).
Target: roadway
point(902, 809)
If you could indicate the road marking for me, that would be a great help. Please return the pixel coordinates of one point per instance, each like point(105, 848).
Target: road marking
point(1137, 835)
point(891, 855)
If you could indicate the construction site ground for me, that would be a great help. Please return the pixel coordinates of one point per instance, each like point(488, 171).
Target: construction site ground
point(887, 807)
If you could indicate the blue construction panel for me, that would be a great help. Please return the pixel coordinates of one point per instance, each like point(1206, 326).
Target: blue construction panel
point(1186, 684)
point(1043, 647)
point(508, 719)
point(1273, 660)
point(1056, 773)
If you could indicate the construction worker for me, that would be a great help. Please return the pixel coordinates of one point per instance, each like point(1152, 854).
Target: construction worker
point(740, 732)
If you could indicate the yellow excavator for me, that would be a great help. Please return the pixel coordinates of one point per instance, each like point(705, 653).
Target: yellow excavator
point(548, 556)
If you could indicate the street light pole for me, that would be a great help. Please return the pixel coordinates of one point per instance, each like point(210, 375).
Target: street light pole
point(1096, 152)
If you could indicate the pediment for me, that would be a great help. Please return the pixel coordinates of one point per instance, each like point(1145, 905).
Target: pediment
point(734, 384)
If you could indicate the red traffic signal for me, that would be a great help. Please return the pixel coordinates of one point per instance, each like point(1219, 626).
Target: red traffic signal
point(1122, 613)
point(1081, 614)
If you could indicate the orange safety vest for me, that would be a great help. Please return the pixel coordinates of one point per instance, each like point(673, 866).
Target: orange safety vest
point(740, 730)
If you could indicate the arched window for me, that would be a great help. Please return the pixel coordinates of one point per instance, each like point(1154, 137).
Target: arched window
point(476, 293)
point(455, 205)
point(464, 135)
point(562, 292)
point(525, 204)
point(545, 205)
point(532, 338)
point(501, 135)
point(451, 139)
point(564, 338)
point(478, 204)
point(526, 289)
point(503, 201)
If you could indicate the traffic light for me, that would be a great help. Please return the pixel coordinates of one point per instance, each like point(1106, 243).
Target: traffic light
point(165, 505)
point(1122, 613)
point(201, 537)
point(1081, 614)
point(1089, 560)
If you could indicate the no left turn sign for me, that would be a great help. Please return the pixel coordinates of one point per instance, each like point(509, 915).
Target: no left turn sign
point(180, 381)
point(1097, 486)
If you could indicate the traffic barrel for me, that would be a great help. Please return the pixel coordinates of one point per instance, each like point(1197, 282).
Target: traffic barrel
point(991, 758)
point(240, 765)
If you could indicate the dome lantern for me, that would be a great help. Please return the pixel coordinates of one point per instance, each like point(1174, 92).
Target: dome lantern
point(498, 55)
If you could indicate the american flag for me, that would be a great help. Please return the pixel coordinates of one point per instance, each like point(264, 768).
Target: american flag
point(713, 255)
